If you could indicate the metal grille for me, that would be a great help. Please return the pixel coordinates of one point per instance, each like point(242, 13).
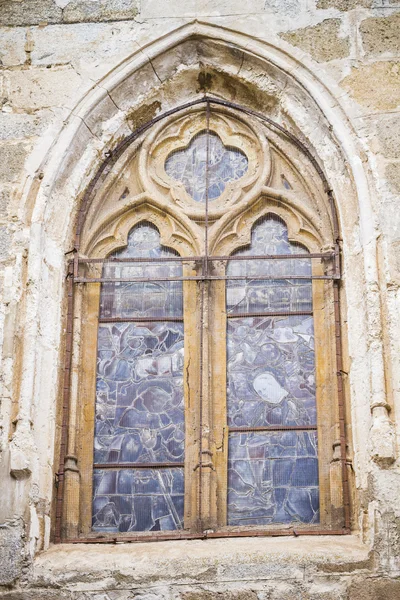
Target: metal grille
point(124, 278)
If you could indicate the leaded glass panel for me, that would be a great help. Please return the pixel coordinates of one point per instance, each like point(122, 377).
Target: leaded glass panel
point(189, 166)
point(137, 500)
point(139, 397)
point(269, 237)
point(272, 476)
point(271, 371)
point(152, 298)
point(139, 415)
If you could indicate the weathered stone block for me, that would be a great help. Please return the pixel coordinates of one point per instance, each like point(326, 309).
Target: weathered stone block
point(290, 8)
point(344, 5)
point(11, 551)
point(78, 11)
point(42, 88)
point(381, 35)
point(170, 8)
point(392, 173)
point(5, 242)
point(388, 133)
point(375, 589)
point(12, 158)
point(322, 41)
point(5, 199)
point(376, 85)
point(12, 47)
point(29, 12)
point(19, 126)
point(35, 12)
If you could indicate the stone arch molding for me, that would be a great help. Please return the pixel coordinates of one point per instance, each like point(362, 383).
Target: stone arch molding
point(160, 76)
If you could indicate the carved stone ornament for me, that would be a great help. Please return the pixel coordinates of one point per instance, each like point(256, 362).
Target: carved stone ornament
point(173, 159)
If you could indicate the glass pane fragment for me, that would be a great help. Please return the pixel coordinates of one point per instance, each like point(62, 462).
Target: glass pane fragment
point(151, 298)
point(137, 500)
point(188, 166)
point(139, 393)
point(269, 237)
point(139, 415)
point(273, 478)
point(271, 371)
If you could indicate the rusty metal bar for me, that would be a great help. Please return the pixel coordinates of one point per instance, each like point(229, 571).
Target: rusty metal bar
point(138, 319)
point(325, 255)
point(204, 278)
point(273, 428)
point(341, 407)
point(138, 465)
point(65, 410)
point(288, 313)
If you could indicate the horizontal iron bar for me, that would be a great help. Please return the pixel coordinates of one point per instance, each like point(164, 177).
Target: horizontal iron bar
point(201, 278)
point(288, 313)
point(206, 535)
point(138, 319)
point(142, 259)
point(138, 465)
point(273, 428)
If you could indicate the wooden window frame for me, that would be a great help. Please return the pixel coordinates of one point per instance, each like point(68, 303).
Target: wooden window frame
point(205, 502)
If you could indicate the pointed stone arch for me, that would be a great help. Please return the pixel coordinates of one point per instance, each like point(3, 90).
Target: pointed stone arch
point(192, 59)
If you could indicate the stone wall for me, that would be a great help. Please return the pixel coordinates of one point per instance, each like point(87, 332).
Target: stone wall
point(75, 76)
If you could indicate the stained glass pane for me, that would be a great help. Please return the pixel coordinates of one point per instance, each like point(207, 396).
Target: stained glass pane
point(189, 166)
point(137, 500)
point(152, 298)
point(139, 417)
point(139, 393)
point(271, 371)
point(273, 478)
point(269, 237)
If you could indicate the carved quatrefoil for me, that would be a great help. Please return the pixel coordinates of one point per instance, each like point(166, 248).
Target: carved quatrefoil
point(188, 166)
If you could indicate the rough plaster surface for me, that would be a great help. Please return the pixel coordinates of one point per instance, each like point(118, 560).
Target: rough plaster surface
point(11, 548)
point(70, 88)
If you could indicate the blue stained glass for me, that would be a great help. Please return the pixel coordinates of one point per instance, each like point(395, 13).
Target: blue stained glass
point(269, 237)
point(271, 371)
point(139, 393)
point(273, 478)
point(137, 500)
point(188, 166)
point(152, 298)
point(139, 415)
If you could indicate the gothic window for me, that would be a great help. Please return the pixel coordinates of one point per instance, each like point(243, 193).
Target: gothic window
point(204, 398)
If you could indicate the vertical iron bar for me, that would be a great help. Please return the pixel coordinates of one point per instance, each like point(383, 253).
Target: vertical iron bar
point(341, 407)
point(207, 181)
point(66, 398)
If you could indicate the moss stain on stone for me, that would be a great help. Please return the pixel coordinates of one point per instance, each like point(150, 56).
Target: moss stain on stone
point(142, 115)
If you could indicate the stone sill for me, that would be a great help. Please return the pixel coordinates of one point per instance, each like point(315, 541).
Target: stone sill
point(120, 566)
